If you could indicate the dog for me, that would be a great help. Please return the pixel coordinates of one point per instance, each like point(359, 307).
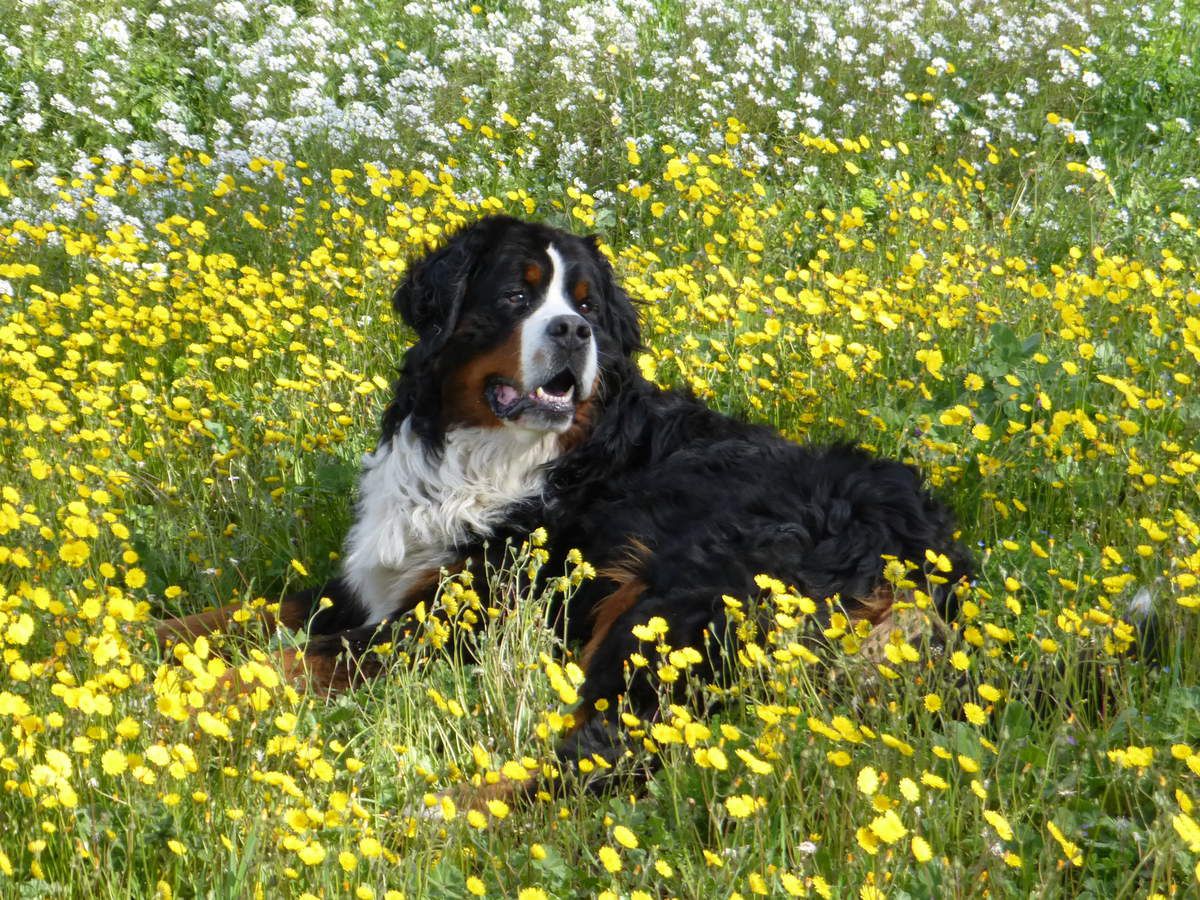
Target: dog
point(520, 405)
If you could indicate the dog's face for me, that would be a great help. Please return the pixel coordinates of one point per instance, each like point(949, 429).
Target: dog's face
point(517, 325)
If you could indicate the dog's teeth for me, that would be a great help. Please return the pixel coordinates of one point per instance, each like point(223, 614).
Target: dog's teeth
point(540, 393)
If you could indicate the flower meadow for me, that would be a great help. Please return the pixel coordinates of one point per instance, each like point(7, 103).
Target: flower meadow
point(965, 234)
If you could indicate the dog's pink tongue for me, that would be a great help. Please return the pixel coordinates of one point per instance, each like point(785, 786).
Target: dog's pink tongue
point(506, 395)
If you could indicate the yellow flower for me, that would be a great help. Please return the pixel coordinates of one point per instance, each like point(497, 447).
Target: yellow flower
point(740, 806)
point(868, 780)
point(1188, 831)
point(1132, 757)
point(210, 724)
point(867, 840)
point(652, 630)
point(19, 630)
point(712, 757)
point(625, 837)
point(888, 827)
point(610, 859)
point(792, 885)
point(1069, 848)
point(933, 361)
point(497, 808)
point(999, 823)
point(113, 762)
point(920, 849)
point(74, 553)
point(975, 714)
point(311, 854)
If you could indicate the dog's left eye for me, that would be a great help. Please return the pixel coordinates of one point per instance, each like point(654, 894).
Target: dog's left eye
point(514, 298)
point(584, 306)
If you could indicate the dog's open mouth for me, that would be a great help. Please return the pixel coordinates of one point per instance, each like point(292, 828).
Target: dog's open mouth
point(555, 397)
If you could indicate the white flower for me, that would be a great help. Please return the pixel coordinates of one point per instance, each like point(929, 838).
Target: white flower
point(232, 11)
point(31, 122)
point(116, 31)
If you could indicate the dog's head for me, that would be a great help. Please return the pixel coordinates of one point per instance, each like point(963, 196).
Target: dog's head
point(518, 326)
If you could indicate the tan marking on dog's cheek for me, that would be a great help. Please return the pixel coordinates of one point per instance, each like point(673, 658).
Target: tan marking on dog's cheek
point(463, 400)
point(581, 425)
point(579, 429)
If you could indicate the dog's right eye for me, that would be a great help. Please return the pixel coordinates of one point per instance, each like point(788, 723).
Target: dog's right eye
point(514, 298)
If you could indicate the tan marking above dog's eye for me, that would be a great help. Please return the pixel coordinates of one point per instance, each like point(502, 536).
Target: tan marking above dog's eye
point(533, 274)
point(581, 290)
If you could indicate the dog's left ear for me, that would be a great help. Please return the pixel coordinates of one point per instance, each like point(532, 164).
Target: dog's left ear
point(622, 314)
point(430, 298)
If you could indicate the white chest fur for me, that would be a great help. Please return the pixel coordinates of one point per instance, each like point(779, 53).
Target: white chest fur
point(415, 508)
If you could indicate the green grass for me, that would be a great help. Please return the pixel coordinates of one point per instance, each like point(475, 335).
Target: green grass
point(195, 348)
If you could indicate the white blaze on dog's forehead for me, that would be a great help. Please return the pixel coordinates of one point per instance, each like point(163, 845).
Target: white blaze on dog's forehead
point(555, 301)
point(535, 347)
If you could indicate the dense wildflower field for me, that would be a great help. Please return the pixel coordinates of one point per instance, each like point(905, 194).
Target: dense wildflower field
point(964, 233)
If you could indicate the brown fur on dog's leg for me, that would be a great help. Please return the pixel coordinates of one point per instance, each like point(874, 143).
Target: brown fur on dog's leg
point(477, 797)
point(324, 674)
point(189, 628)
point(293, 613)
point(319, 672)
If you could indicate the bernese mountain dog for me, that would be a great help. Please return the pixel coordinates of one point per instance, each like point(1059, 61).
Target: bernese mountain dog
point(520, 405)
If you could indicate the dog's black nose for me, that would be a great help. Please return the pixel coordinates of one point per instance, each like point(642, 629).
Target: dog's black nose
point(569, 332)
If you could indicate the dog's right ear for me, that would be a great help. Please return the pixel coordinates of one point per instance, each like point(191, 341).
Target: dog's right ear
point(430, 298)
